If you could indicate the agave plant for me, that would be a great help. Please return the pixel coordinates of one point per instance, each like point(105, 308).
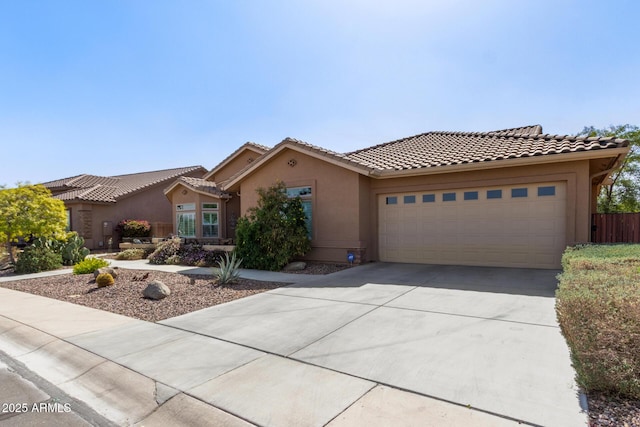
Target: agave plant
point(228, 269)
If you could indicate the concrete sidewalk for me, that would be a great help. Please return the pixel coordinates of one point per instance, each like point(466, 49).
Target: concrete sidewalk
point(381, 344)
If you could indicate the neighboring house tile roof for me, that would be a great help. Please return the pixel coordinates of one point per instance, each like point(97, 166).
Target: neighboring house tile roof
point(435, 149)
point(109, 189)
point(198, 184)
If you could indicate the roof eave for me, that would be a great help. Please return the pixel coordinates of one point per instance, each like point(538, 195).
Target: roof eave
point(495, 164)
point(240, 150)
point(172, 187)
point(231, 182)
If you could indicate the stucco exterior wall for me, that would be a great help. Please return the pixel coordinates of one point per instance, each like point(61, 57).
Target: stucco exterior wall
point(336, 202)
point(239, 162)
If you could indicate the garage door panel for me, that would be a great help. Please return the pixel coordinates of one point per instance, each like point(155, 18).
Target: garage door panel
point(505, 231)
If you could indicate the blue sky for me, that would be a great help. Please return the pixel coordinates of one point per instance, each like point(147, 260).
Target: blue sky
point(114, 87)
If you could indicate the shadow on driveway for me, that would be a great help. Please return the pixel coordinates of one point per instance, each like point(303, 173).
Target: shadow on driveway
point(513, 281)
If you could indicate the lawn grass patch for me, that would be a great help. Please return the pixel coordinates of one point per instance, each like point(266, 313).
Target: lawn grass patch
point(598, 308)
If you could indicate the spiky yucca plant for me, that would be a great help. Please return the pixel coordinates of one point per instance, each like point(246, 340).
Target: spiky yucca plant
point(227, 271)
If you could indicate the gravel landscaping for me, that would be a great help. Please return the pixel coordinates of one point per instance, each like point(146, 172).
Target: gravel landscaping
point(188, 293)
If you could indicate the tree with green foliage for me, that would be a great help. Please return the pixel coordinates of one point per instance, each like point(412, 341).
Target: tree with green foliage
point(274, 232)
point(622, 194)
point(29, 211)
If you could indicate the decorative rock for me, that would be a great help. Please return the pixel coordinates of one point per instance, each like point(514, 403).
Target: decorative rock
point(156, 290)
point(295, 266)
point(110, 270)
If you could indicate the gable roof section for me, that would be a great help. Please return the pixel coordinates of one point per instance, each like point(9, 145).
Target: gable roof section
point(199, 185)
point(439, 149)
point(303, 147)
point(257, 148)
point(108, 189)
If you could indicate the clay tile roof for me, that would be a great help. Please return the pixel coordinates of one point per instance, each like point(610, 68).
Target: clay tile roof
point(109, 189)
point(344, 158)
point(525, 130)
point(200, 184)
point(435, 149)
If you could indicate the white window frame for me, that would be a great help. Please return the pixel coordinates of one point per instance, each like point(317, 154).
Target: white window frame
point(214, 209)
point(186, 210)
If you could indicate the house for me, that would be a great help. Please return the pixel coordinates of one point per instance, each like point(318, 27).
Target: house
point(513, 198)
point(95, 204)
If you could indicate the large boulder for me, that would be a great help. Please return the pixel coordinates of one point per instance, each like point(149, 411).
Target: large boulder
point(156, 290)
point(108, 270)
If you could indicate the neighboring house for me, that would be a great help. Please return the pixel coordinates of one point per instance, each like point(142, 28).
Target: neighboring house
point(514, 198)
point(95, 204)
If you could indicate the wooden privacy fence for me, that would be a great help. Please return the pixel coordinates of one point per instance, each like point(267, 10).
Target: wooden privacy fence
point(615, 228)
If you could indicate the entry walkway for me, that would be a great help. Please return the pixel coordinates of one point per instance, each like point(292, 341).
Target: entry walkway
point(381, 344)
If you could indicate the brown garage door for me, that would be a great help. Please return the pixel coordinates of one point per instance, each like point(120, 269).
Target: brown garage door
point(510, 226)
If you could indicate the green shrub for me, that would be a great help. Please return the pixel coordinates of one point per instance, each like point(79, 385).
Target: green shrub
point(274, 232)
point(228, 269)
point(133, 228)
point(104, 279)
point(131, 254)
point(36, 258)
point(89, 265)
point(598, 308)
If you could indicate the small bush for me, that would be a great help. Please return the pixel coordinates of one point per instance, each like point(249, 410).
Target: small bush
point(164, 250)
point(89, 265)
point(36, 258)
point(228, 269)
point(104, 279)
point(274, 232)
point(131, 254)
point(133, 228)
point(598, 308)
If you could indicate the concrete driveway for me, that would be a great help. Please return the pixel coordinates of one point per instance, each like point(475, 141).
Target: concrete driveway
point(480, 337)
point(376, 345)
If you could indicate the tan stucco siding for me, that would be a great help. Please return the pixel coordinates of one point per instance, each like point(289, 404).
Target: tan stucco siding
point(575, 174)
point(337, 216)
point(238, 163)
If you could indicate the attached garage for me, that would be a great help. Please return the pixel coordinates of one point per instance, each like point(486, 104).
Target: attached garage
point(507, 226)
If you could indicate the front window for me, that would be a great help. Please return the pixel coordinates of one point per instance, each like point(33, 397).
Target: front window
point(210, 219)
point(186, 219)
point(305, 195)
point(186, 222)
point(209, 224)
